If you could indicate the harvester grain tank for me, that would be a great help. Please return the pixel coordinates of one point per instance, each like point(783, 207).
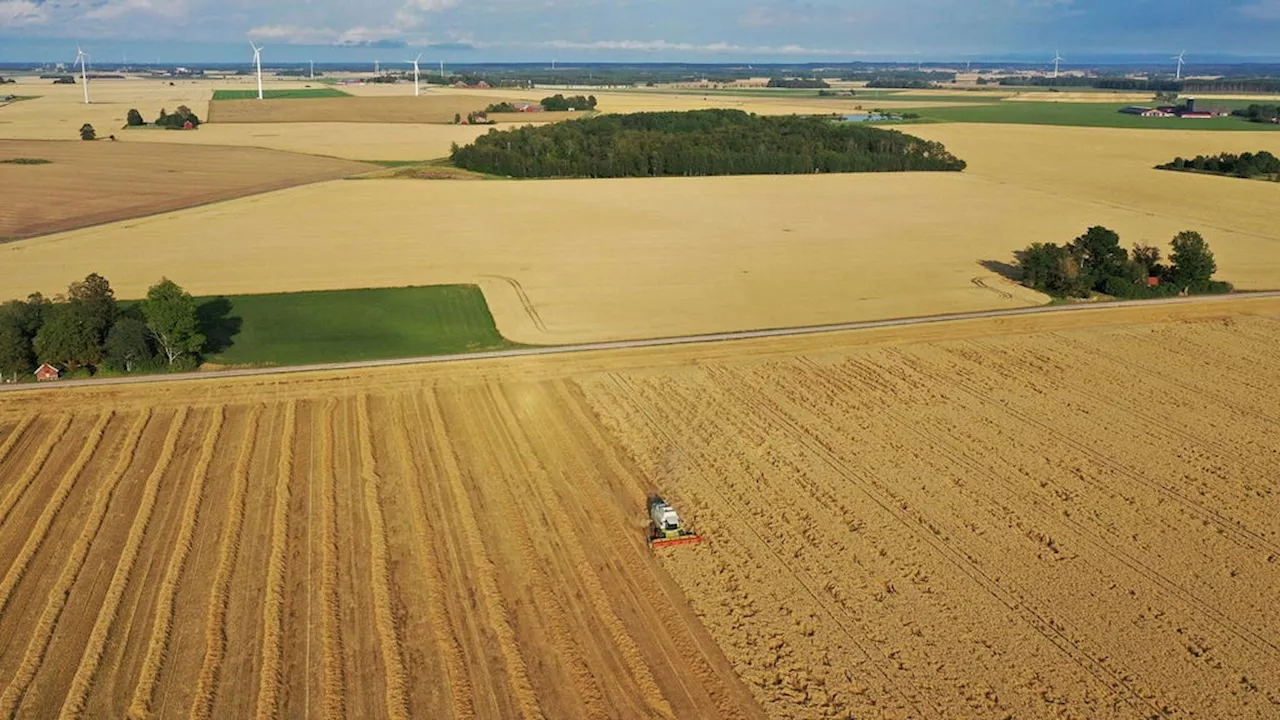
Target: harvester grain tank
point(665, 527)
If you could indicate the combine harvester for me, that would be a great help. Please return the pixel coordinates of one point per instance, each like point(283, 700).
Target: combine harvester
point(665, 529)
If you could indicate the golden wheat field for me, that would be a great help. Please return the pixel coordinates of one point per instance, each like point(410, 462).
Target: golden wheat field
point(924, 522)
point(653, 257)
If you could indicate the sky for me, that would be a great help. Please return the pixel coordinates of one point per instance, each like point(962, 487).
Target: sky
point(636, 30)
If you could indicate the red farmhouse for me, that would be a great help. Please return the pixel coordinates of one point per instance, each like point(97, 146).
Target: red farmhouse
point(47, 372)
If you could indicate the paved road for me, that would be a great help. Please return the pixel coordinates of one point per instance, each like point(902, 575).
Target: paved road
point(654, 342)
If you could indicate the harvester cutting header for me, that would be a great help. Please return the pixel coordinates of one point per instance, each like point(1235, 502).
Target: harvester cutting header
point(665, 528)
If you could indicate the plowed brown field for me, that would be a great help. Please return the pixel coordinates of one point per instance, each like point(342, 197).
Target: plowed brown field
point(88, 183)
point(1058, 516)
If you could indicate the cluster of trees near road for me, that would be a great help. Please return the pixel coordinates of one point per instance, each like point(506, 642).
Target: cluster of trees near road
point(1096, 262)
point(698, 142)
point(178, 120)
point(88, 331)
point(1260, 113)
point(1246, 165)
point(798, 83)
point(560, 103)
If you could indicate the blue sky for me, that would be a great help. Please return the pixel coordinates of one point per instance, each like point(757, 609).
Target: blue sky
point(631, 30)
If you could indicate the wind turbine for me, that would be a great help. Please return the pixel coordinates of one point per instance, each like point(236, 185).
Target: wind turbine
point(257, 61)
point(82, 57)
point(313, 69)
point(1057, 58)
point(416, 90)
point(1179, 58)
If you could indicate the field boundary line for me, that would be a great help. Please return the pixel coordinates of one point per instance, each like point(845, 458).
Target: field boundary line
point(78, 695)
point(59, 594)
point(158, 644)
point(647, 343)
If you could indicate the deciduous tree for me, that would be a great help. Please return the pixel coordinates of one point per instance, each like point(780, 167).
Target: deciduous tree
point(1193, 262)
point(128, 345)
point(65, 339)
point(16, 355)
point(95, 301)
point(171, 317)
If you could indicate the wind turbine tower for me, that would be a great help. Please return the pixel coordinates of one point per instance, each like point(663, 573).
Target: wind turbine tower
point(417, 91)
point(1057, 58)
point(1180, 58)
point(313, 69)
point(257, 62)
point(82, 57)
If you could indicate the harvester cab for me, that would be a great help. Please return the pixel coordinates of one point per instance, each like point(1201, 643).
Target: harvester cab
point(665, 528)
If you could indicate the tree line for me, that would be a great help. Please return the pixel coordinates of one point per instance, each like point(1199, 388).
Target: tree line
point(1260, 113)
point(697, 143)
point(798, 83)
point(88, 331)
point(175, 121)
point(1096, 262)
point(1246, 165)
point(560, 103)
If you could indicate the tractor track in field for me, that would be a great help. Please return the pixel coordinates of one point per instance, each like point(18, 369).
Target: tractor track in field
point(648, 343)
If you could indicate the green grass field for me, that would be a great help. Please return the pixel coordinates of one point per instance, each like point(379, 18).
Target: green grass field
point(348, 325)
point(1082, 115)
point(294, 94)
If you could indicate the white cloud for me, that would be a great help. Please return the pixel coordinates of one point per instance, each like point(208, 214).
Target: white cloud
point(1262, 10)
point(115, 9)
point(19, 13)
point(293, 35)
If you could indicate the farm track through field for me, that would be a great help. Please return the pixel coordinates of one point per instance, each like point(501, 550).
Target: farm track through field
point(653, 343)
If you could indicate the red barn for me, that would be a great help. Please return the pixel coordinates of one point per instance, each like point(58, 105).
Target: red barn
point(47, 372)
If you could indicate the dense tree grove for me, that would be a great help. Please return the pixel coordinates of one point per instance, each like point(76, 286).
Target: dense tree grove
point(1246, 165)
point(87, 331)
point(1096, 262)
point(178, 120)
point(1234, 85)
point(1260, 113)
point(560, 103)
point(798, 83)
point(699, 142)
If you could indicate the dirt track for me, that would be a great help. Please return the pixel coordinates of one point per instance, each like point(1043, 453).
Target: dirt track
point(1070, 514)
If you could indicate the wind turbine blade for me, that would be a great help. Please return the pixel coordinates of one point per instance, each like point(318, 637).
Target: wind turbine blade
point(418, 58)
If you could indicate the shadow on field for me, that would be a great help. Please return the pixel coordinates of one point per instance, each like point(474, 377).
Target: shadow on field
point(218, 325)
point(1003, 269)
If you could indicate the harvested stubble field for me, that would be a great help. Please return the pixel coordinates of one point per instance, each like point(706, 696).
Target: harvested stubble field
point(89, 183)
point(924, 522)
